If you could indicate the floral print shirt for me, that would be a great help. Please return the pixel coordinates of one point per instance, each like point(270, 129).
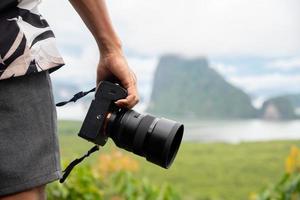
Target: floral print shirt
point(27, 44)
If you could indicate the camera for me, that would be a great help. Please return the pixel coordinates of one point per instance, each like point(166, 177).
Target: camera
point(156, 139)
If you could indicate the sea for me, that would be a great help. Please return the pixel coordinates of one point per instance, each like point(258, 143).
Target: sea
point(227, 131)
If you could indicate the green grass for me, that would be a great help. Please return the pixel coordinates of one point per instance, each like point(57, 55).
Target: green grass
point(203, 171)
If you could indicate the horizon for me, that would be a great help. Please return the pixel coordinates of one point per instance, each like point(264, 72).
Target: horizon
point(77, 111)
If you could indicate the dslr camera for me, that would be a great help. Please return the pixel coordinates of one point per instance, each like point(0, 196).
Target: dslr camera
point(156, 139)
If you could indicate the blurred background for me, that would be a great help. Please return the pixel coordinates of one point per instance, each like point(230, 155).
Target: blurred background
point(229, 70)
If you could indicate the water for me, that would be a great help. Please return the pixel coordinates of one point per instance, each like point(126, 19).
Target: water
point(215, 131)
point(243, 130)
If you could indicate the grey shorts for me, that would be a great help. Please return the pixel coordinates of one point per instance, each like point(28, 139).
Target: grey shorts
point(29, 149)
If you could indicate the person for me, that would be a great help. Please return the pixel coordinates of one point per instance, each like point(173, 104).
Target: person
point(29, 153)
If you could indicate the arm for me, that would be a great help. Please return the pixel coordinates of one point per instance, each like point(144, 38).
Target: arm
point(112, 61)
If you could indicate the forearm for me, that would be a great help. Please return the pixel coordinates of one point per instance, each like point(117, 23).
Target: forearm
point(112, 62)
point(96, 17)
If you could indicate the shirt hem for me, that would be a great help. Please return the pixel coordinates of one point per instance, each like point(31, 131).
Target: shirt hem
point(32, 183)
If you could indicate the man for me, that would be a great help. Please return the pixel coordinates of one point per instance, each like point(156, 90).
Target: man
point(29, 154)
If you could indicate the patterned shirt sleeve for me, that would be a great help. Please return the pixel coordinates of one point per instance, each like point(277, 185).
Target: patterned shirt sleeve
point(27, 44)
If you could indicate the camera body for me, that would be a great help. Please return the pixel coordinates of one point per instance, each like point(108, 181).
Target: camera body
point(156, 139)
point(93, 127)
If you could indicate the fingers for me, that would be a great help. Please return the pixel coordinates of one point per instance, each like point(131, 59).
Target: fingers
point(116, 66)
point(132, 99)
point(129, 102)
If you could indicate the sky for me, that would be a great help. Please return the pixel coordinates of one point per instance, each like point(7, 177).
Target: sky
point(254, 44)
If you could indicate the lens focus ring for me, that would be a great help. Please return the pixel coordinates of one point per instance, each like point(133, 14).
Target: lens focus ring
point(141, 134)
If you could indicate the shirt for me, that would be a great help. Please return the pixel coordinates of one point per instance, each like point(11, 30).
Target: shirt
point(27, 44)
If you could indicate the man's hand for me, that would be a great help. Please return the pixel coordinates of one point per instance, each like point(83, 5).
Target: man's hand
point(112, 63)
point(115, 64)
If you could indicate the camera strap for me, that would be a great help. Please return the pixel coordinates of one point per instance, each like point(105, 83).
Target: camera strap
point(95, 148)
point(75, 97)
point(75, 162)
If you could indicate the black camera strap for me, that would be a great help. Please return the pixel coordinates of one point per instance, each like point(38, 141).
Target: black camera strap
point(75, 162)
point(95, 148)
point(75, 97)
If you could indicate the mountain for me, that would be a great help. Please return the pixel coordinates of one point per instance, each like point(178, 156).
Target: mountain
point(189, 87)
point(282, 107)
point(294, 99)
point(278, 108)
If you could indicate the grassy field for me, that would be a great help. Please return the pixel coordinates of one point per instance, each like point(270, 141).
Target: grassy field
point(203, 171)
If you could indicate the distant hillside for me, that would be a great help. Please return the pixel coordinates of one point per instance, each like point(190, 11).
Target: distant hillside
point(189, 87)
point(294, 99)
point(281, 107)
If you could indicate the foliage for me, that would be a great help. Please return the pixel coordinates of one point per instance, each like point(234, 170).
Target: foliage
point(204, 170)
point(81, 184)
point(126, 186)
point(114, 162)
point(112, 178)
point(288, 188)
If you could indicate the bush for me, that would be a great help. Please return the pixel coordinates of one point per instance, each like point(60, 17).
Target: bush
point(288, 188)
point(113, 178)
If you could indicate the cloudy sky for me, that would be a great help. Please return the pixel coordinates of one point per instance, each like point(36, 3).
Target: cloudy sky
point(255, 44)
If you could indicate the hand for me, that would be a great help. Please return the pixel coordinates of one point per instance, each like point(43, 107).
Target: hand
point(115, 64)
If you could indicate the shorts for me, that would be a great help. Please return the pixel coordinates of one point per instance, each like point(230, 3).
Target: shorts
point(29, 148)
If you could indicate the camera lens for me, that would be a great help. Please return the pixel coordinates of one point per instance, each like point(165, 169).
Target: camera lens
point(156, 139)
